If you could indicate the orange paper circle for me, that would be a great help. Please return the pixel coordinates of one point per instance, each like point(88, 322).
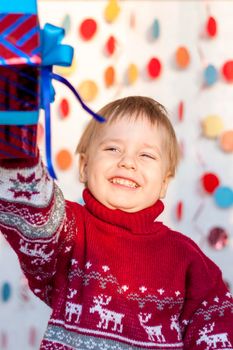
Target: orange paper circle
point(88, 89)
point(109, 76)
point(63, 159)
point(40, 132)
point(226, 141)
point(182, 57)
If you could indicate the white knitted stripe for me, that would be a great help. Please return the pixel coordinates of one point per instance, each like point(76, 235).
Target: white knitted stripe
point(91, 341)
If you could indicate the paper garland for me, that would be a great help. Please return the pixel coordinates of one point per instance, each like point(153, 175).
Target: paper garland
point(64, 159)
point(88, 29)
point(112, 11)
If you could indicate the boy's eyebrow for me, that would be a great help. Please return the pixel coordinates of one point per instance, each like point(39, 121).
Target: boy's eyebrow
point(110, 140)
point(147, 145)
point(120, 141)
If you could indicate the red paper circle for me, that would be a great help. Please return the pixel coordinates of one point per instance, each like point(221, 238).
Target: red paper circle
point(227, 71)
point(181, 111)
point(111, 45)
point(179, 210)
point(32, 336)
point(64, 108)
point(210, 182)
point(154, 67)
point(88, 28)
point(211, 26)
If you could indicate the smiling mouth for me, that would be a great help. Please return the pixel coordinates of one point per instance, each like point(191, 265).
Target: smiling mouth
point(124, 182)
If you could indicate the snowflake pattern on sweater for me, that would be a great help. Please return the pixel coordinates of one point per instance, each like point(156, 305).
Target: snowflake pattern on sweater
point(114, 280)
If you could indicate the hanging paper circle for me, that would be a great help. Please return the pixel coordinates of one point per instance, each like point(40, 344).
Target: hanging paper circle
point(64, 108)
point(179, 210)
point(88, 29)
point(210, 75)
point(218, 238)
point(88, 90)
point(155, 29)
point(3, 340)
point(132, 73)
point(24, 290)
point(210, 182)
point(66, 71)
point(32, 336)
point(81, 201)
point(109, 76)
point(112, 10)
point(66, 23)
point(226, 141)
point(6, 291)
point(181, 111)
point(40, 133)
point(111, 45)
point(211, 27)
point(227, 71)
point(182, 148)
point(154, 67)
point(64, 159)
point(223, 197)
point(182, 57)
point(132, 20)
point(212, 126)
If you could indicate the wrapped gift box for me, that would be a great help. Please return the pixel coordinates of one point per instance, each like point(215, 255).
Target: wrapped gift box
point(19, 77)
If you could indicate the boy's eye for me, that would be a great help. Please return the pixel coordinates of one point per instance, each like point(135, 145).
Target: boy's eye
point(113, 149)
point(146, 155)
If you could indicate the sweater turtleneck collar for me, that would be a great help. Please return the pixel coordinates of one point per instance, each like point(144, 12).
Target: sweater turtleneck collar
point(140, 222)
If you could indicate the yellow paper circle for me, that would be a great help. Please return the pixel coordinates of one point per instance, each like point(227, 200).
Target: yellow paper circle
point(112, 10)
point(88, 90)
point(132, 73)
point(226, 141)
point(212, 126)
point(66, 71)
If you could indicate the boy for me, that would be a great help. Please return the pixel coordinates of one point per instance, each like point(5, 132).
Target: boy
point(114, 276)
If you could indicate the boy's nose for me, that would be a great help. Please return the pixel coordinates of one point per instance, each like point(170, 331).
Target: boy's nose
point(127, 162)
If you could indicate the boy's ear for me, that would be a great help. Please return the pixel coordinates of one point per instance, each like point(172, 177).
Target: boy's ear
point(83, 167)
point(165, 184)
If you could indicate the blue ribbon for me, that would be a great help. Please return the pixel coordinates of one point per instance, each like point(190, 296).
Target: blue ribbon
point(55, 53)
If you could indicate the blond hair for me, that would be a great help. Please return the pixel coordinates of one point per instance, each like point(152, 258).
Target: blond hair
point(135, 107)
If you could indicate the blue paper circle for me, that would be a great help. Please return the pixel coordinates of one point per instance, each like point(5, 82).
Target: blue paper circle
point(155, 29)
point(223, 196)
point(6, 292)
point(66, 23)
point(210, 74)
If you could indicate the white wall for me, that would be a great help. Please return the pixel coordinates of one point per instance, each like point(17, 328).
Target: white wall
point(181, 24)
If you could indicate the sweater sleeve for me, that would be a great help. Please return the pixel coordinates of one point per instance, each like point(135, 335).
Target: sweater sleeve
point(37, 222)
point(208, 313)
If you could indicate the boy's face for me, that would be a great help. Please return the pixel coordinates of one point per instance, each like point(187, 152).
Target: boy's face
point(125, 167)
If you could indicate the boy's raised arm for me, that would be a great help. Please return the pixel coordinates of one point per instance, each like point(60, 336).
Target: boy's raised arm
point(35, 221)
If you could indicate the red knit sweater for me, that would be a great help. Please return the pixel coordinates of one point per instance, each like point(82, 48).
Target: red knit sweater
point(114, 280)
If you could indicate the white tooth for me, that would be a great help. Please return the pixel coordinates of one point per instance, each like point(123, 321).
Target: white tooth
point(124, 182)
